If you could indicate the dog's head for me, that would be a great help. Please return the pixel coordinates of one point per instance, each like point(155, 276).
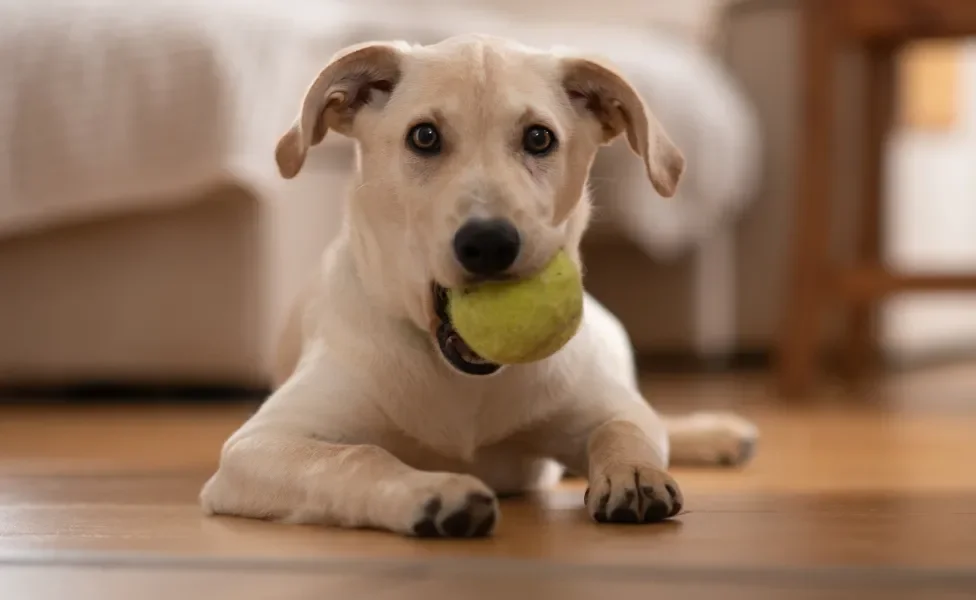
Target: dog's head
point(473, 160)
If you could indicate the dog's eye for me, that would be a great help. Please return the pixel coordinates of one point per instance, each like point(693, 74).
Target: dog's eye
point(538, 140)
point(424, 139)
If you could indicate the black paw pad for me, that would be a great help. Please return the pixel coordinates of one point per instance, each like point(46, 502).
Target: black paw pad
point(426, 529)
point(427, 526)
point(475, 518)
point(457, 524)
point(656, 510)
point(624, 515)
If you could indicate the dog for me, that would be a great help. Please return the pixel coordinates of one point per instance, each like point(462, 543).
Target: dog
point(472, 162)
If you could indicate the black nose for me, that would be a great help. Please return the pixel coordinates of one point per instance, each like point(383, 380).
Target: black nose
point(486, 247)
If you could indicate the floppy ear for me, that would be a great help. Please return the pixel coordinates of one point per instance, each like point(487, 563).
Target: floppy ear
point(332, 101)
point(608, 97)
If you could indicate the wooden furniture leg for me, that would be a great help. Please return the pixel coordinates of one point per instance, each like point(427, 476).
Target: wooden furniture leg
point(805, 301)
point(861, 340)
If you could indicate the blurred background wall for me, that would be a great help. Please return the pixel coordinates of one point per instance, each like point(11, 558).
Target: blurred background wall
point(932, 187)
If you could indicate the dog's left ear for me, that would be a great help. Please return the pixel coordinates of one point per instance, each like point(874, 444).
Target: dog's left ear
point(605, 94)
point(343, 87)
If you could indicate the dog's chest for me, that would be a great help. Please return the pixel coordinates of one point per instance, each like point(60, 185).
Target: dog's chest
point(456, 420)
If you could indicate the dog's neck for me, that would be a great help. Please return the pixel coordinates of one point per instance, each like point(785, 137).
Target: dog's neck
point(389, 281)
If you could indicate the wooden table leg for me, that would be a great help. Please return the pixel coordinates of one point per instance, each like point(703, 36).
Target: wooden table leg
point(805, 299)
point(861, 345)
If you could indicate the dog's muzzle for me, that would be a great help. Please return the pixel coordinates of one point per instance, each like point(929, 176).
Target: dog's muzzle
point(454, 350)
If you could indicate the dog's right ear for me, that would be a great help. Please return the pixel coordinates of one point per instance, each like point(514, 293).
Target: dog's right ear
point(607, 96)
point(332, 101)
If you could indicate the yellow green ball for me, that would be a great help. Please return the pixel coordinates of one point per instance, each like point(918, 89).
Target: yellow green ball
point(517, 322)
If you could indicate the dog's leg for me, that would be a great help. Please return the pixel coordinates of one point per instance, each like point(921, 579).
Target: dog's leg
point(628, 482)
point(711, 438)
point(295, 479)
point(286, 463)
point(613, 436)
point(705, 438)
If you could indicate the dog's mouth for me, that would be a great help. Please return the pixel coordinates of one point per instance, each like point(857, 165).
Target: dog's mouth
point(452, 347)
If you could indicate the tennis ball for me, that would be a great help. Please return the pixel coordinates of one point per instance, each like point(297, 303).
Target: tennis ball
point(516, 322)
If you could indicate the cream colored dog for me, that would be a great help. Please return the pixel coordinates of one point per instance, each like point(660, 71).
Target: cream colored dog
point(473, 156)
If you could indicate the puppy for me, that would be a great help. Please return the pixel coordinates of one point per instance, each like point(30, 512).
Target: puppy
point(473, 156)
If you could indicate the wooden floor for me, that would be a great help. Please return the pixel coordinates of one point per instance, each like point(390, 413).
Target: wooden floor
point(864, 495)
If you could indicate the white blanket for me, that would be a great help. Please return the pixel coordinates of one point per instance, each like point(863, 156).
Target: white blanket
point(107, 103)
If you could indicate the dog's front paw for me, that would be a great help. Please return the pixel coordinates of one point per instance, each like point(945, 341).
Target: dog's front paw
point(632, 494)
point(454, 506)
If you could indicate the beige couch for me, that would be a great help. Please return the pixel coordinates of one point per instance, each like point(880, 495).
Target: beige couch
point(140, 296)
point(193, 291)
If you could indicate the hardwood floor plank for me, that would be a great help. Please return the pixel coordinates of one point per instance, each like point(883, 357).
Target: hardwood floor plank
point(786, 530)
point(474, 581)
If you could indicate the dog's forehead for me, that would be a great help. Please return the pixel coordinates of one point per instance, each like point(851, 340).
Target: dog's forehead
point(481, 70)
point(482, 49)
